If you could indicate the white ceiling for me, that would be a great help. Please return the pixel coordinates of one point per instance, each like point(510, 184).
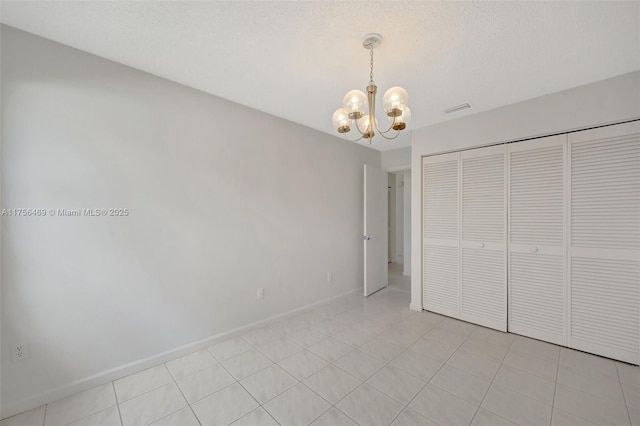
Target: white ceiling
point(296, 60)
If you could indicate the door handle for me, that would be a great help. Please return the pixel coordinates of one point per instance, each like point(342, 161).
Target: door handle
point(534, 249)
point(366, 237)
point(481, 245)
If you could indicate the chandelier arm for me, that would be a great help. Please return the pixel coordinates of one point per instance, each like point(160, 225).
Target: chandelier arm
point(344, 135)
point(352, 140)
point(389, 129)
point(355, 122)
point(391, 138)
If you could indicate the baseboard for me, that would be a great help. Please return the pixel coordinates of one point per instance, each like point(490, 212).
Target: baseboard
point(415, 307)
point(136, 366)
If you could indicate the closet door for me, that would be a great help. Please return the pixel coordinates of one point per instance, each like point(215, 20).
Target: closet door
point(440, 234)
point(537, 249)
point(483, 260)
point(604, 235)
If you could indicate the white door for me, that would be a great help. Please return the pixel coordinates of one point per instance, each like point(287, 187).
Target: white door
point(375, 230)
point(604, 241)
point(440, 234)
point(537, 243)
point(483, 237)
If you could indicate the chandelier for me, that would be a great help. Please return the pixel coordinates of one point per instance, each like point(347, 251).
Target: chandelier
point(359, 109)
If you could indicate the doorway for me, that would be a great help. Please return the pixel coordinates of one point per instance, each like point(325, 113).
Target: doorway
point(399, 229)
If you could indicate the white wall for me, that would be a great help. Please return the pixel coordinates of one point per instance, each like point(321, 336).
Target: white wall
point(222, 200)
point(391, 217)
point(399, 218)
point(607, 101)
point(406, 223)
point(396, 159)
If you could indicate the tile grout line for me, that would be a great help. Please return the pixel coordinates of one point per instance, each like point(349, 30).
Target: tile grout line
point(580, 391)
point(325, 411)
point(329, 363)
point(154, 388)
point(316, 393)
point(245, 389)
point(95, 412)
point(245, 415)
point(441, 367)
point(115, 394)
point(390, 361)
point(522, 370)
point(624, 397)
point(491, 384)
point(182, 393)
point(555, 387)
point(346, 372)
point(194, 414)
point(343, 413)
point(89, 415)
point(212, 393)
point(298, 382)
point(573, 388)
point(374, 373)
point(332, 363)
point(44, 418)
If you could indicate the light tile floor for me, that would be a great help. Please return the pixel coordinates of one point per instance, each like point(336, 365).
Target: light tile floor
point(363, 362)
point(397, 279)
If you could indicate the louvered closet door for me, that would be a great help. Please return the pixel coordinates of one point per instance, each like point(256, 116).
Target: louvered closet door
point(483, 292)
point(604, 235)
point(537, 249)
point(440, 234)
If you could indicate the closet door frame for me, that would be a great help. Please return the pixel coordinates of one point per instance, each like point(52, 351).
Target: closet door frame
point(549, 141)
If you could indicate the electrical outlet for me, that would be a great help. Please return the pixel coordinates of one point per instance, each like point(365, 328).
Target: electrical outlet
point(19, 352)
point(329, 277)
point(260, 294)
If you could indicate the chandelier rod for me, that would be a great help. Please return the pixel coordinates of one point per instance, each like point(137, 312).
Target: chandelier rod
point(372, 119)
point(371, 82)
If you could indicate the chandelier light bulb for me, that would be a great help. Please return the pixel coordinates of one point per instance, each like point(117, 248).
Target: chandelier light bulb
point(402, 120)
point(355, 102)
point(341, 121)
point(394, 100)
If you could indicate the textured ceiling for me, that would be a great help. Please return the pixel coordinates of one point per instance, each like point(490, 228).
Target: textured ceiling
point(296, 60)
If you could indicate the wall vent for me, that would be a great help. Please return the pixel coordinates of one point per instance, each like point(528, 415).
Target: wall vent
point(457, 108)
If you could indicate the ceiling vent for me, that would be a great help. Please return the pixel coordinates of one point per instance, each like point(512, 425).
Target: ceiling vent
point(457, 108)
